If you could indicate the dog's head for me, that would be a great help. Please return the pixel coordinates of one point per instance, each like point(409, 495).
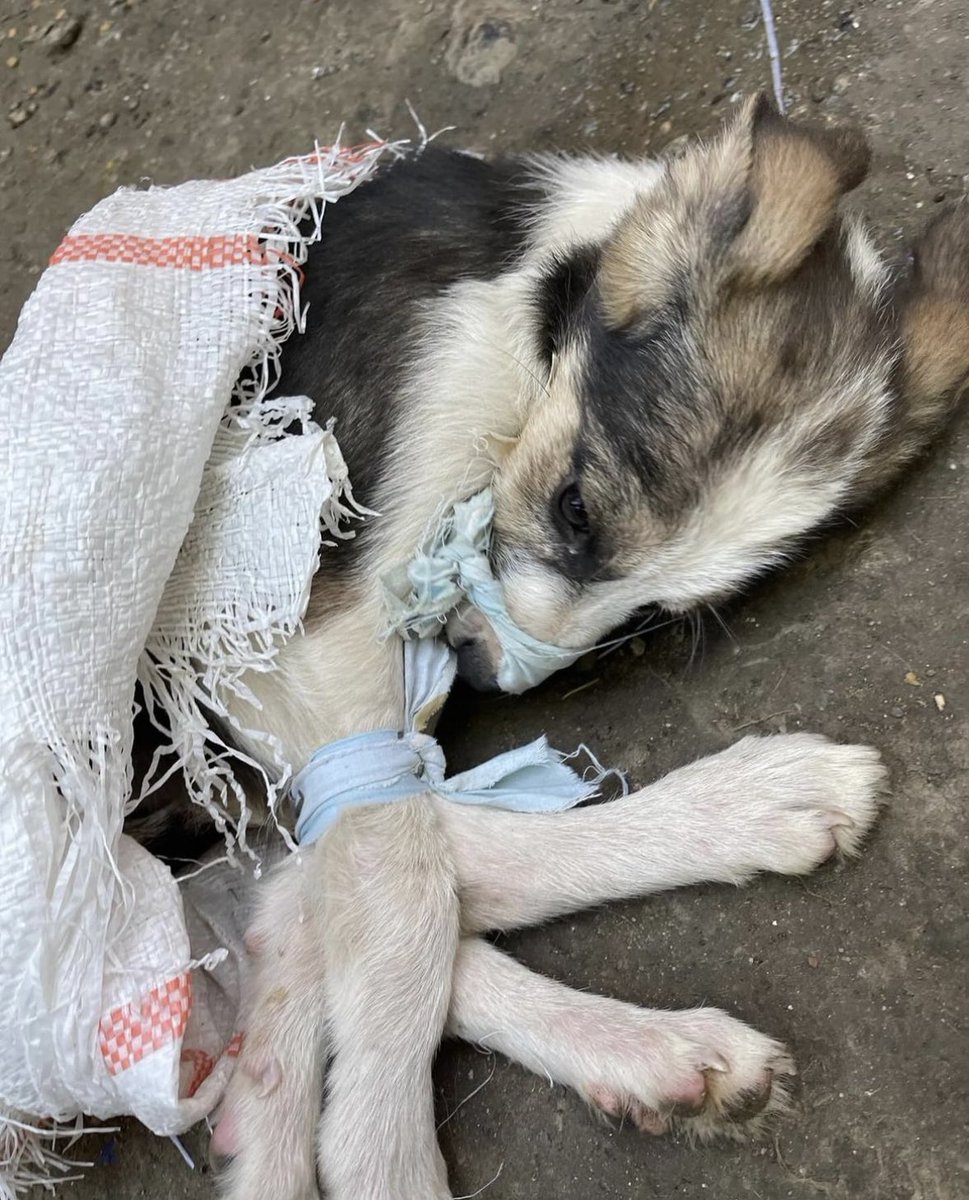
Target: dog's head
point(733, 364)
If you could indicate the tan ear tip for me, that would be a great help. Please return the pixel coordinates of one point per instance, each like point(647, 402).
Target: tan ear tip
point(941, 254)
point(850, 150)
point(759, 111)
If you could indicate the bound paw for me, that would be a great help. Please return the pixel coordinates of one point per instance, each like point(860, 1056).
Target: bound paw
point(264, 1139)
point(702, 1071)
point(799, 799)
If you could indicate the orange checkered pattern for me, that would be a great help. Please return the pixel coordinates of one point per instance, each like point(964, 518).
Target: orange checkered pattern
point(132, 1032)
point(184, 253)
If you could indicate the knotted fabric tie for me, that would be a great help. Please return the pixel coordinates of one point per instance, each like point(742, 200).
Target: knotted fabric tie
point(385, 765)
point(453, 567)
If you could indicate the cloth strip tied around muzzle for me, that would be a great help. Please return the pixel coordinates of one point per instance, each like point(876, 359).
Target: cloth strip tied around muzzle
point(454, 567)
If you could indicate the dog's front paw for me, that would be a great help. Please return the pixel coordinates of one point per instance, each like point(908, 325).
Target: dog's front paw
point(702, 1071)
point(802, 798)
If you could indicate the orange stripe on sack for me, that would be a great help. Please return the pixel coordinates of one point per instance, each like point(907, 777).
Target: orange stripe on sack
point(133, 1031)
point(182, 253)
point(344, 154)
point(203, 1064)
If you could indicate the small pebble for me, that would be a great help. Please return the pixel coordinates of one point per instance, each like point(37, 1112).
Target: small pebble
point(939, 701)
point(12, 61)
point(813, 960)
point(63, 33)
point(107, 120)
point(898, 712)
point(21, 113)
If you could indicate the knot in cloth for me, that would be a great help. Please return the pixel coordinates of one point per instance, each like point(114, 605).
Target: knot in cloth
point(387, 765)
point(453, 567)
point(384, 766)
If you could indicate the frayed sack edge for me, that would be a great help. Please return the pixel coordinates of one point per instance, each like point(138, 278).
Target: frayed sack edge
point(184, 679)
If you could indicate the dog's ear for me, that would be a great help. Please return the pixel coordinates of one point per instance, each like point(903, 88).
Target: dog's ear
point(744, 210)
point(935, 310)
point(795, 177)
point(932, 374)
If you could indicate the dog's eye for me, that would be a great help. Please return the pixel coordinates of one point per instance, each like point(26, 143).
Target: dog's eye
point(571, 508)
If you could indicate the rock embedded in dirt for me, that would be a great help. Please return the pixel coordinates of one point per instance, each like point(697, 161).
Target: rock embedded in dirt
point(62, 34)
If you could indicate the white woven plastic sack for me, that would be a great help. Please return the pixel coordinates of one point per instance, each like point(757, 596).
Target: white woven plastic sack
point(132, 396)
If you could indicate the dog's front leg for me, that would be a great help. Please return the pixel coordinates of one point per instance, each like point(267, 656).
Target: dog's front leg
point(781, 804)
point(390, 932)
point(700, 1066)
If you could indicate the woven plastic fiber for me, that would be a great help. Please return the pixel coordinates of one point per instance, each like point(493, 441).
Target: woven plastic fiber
point(159, 519)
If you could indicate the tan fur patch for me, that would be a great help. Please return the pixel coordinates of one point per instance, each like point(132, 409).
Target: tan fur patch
point(637, 266)
point(541, 457)
point(936, 336)
point(796, 188)
point(934, 368)
point(767, 186)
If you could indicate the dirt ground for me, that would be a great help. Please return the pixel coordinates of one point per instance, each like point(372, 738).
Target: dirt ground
point(862, 969)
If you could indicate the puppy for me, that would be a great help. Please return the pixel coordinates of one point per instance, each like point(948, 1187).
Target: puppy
point(668, 373)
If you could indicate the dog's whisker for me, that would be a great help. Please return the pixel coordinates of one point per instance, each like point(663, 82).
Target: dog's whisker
point(612, 644)
point(723, 624)
point(695, 619)
point(518, 362)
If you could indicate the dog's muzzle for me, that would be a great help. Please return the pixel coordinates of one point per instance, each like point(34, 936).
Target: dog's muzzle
point(479, 652)
point(453, 570)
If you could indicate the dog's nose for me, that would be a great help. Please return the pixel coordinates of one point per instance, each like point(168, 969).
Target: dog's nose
point(475, 666)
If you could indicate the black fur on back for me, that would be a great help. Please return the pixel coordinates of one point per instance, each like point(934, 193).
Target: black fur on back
point(423, 224)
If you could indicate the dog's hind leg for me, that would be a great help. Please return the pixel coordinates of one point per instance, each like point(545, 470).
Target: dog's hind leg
point(702, 1067)
point(391, 934)
point(781, 804)
point(272, 1104)
point(354, 948)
